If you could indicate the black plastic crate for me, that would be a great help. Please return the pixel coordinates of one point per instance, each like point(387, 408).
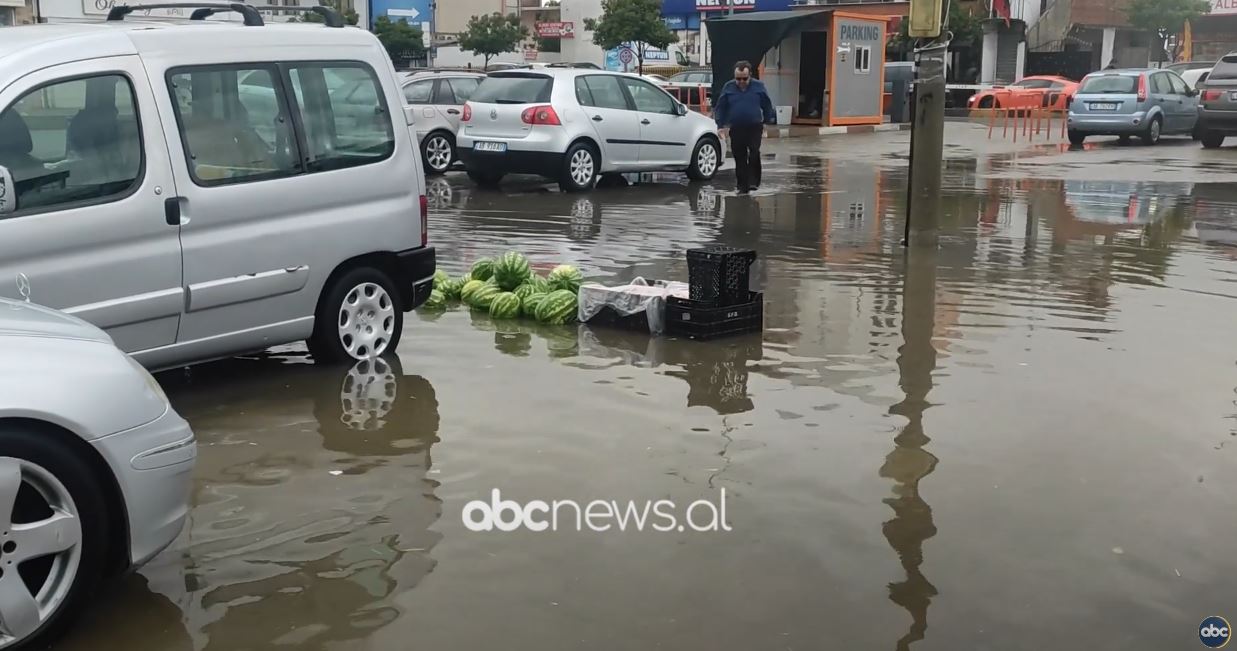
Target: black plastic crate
point(691, 319)
point(609, 317)
point(718, 275)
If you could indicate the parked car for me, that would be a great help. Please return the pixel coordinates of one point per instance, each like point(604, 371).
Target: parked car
point(1193, 78)
point(1187, 66)
point(1146, 103)
point(94, 481)
point(686, 86)
point(439, 99)
point(1217, 112)
point(1026, 91)
point(218, 200)
point(572, 125)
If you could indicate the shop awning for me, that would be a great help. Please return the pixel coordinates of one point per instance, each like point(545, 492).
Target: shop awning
point(747, 37)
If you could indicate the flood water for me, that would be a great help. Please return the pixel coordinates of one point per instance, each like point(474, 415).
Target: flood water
point(1025, 438)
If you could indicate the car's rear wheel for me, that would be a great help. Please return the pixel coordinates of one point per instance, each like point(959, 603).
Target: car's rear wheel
point(1076, 137)
point(54, 532)
point(579, 168)
point(359, 317)
point(485, 179)
point(438, 152)
point(1211, 139)
point(705, 160)
point(1152, 135)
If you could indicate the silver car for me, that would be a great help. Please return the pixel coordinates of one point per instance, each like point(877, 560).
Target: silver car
point(95, 468)
point(1141, 102)
point(438, 98)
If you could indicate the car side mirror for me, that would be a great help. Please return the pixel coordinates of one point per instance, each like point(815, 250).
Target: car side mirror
point(8, 192)
point(1193, 92)
point(680, 109)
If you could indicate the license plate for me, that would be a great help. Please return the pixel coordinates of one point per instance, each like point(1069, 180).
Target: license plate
point(490, 146)
point(1233, 95)
point(1104, 106)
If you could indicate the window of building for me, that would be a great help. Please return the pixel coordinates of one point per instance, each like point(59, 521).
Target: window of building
point(72, 143)
point(863, 59)
point(649, 98)
point(343, 113)
point(233, 123)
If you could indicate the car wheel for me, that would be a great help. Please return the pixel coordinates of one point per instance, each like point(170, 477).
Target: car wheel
point(438, 152)
point(55, 532)
point(359, 317)
point(579, 168)
point(1152, 136)
point(1211, 139)
point(705, 160)
point(485, 179)
point(1076, 138)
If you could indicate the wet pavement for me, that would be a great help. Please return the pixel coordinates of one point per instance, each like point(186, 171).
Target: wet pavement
point(1024, 439)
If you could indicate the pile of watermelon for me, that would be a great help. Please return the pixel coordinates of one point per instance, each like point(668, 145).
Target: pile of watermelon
point(507, 288)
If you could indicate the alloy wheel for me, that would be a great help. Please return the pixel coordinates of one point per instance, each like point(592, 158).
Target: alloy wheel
point(706, 159)
point(582, 167)
point(438, 153)
point(366, 321)
point(43, 526)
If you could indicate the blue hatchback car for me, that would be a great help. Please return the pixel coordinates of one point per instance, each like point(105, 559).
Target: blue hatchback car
point(1147, 103)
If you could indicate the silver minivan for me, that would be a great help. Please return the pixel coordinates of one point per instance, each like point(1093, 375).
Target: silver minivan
point(1141, 102)
point(197, 201)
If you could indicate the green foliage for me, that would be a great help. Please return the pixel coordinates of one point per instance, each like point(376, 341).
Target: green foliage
point(492, 34)
point(349, 14)
point(399, 38)
point(1165, 17)
point(631, 21)
point(966, 27)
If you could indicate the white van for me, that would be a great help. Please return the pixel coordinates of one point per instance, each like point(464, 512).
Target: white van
point(210, 187)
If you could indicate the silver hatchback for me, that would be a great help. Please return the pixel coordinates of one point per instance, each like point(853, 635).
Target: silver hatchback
point(1141, 102)
point(438, 98)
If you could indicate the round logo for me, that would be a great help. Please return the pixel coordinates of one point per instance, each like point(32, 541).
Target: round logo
point(626, 56)
point(1214, 632)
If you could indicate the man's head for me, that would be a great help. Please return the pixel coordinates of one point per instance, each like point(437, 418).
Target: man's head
point(742, 73)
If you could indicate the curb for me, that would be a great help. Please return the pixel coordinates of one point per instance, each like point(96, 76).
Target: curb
point(805, 132)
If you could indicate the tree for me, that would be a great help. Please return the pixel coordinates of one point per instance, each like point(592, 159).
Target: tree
point(401, 40)
point(631, 21)
point(966, 27)
point(349, 14)
point(1164, 18)
point(492, 34)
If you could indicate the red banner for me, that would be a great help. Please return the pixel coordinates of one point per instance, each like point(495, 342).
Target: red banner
point(556, 30)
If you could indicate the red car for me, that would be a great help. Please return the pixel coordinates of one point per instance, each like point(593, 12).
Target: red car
point(1025, 92)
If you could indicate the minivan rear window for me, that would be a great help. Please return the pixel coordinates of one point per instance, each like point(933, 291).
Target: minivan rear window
point(1109, 84)
point(1225, 69)
point(514, 88)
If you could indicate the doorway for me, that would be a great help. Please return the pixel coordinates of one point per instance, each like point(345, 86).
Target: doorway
point(813, 57)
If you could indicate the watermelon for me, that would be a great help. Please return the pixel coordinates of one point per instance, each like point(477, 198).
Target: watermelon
point(528, 305)
point(469, 289)
point(436, 301)
point(482, 269)
point(441, 279)
point(505, 305)
point(558, 307)
point(539, 283)
point(483, 296)
point(511, 270)
point(451, 288)
point(565, 276)
point(525, 290)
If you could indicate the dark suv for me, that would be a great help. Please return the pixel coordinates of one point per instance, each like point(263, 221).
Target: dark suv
point(1217, 108)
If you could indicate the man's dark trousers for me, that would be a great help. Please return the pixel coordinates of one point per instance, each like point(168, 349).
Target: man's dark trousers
point(745, 144)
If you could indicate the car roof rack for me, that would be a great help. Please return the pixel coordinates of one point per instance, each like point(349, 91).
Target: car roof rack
point(202, 10)
point(330, 17)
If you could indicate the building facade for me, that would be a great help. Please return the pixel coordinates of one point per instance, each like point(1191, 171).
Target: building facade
point(1215, 35)
point(16, 12)
point(1096, 34)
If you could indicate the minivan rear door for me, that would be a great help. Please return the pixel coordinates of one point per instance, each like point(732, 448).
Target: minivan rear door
point(90, 235)
point(500, 100)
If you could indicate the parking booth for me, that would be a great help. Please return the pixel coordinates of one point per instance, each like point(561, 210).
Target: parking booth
point(826, 65)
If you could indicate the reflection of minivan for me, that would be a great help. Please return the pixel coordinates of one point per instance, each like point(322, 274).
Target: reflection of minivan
point(197, 201)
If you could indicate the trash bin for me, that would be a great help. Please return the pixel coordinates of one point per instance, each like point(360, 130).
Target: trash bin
point(783, 115)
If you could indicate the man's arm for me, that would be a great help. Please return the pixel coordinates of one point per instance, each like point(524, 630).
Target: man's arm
point(766, 106)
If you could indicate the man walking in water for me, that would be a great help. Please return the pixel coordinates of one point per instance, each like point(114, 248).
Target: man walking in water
point(742, 110)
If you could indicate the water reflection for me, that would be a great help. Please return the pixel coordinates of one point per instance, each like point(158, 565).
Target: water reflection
point(313, 507)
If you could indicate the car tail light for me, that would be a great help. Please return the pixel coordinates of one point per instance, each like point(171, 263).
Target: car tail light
point(425, 220)
point(544, 114)
point(1211, 95)
point(467, 112)
point(1142, 88)
point(1069, 101)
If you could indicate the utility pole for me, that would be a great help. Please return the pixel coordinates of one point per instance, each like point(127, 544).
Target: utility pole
point(927, 118)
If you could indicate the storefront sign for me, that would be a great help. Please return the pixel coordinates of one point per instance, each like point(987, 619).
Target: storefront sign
point(721, 5)
point(556, 30)
point(1223, 7)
